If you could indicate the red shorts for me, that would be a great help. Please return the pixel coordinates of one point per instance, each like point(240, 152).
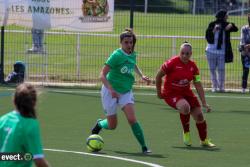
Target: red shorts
point(193, 101)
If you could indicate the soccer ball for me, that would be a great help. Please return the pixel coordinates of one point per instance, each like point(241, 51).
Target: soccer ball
point(94, 143)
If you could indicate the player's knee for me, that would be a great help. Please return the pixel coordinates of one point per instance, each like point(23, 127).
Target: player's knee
point(184, 108)
point(199, 117)
point(112, 126)
point(132, 121)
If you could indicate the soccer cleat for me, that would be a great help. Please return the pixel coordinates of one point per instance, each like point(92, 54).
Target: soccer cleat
point(187, 139)
point(96, 129)
point(145, 150)
point(207, 143)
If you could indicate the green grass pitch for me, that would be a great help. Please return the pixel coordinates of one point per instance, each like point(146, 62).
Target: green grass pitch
point(67, 115)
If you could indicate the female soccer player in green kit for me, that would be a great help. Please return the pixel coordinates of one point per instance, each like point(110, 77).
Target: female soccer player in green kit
point(19, 129)
point(118, 78)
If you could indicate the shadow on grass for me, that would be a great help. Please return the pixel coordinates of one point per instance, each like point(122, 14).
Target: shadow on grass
point(216, 149)
point(140, 154)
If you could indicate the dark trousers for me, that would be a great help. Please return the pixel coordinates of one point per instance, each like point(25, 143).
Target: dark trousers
point(245, 73)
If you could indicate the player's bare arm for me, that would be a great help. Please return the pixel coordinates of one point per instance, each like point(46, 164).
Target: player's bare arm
point(106, 83)
point(41, 162)
point(158, 83)
point(199, 88)
point(143, 77)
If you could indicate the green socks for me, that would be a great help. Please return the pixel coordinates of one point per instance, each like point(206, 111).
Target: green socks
point(137, 130)
point(104, 124)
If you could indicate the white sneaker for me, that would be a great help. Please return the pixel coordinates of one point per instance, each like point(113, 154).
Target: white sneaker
point(214, 90)
point(32, 50)
point(35, 50)
point(243, 90)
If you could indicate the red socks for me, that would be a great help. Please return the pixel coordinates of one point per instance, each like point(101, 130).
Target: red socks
point(202, 129)
point(185, 122)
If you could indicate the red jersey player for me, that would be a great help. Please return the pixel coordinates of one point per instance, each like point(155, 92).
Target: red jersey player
point(179, 72)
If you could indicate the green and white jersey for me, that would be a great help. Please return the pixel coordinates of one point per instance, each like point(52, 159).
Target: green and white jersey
point(19, 134)
point(121, 74)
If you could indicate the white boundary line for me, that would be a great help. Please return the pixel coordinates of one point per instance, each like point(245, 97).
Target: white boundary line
point(147, 94)
point(105, 156)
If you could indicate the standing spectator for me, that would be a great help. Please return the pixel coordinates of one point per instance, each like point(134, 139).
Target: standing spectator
point(118, 78)
point(219, 49)
point(179, 72)
point(200, 7)
point(37, 41)
point(19, 129)
point(245, 53)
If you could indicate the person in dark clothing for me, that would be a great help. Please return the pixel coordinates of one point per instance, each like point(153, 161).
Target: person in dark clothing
point(245, 53)
point(219, 49)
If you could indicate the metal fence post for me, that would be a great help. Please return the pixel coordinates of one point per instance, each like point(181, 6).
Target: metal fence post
point(174, 46)
point(132, 8)
point(46, 67)
point(26, 61)
point(78, 56)
point(146, 7)
point(2, 56)
point(194, 7)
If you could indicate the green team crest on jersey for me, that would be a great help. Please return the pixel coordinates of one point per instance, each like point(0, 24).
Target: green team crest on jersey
point(127, 70)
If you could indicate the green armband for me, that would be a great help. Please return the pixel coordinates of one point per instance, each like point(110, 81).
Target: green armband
point(197, 78)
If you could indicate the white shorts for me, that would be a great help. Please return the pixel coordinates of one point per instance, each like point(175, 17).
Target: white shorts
point(110, 104)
